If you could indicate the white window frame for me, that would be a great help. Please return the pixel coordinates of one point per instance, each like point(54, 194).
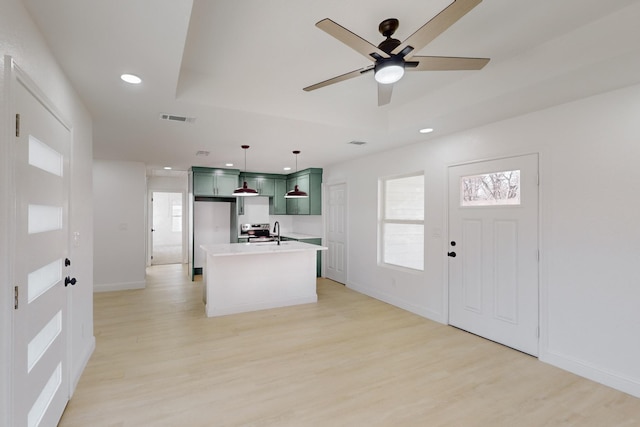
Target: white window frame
point(383, 221)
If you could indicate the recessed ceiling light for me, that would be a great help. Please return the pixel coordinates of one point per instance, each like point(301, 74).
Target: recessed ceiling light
point(131, 78)
point(167, 168)
point(202, 153)
point(287, 168)
point(228, 165)
point(426, 130)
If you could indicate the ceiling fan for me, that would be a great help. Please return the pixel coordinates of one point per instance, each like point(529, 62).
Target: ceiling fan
point(392, 57)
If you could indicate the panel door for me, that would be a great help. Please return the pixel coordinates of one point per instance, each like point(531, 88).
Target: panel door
point(336, 256)
point(40, 366)
point(493, 250)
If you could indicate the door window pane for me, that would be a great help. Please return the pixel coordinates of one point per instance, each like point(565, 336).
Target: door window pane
point(491, 189)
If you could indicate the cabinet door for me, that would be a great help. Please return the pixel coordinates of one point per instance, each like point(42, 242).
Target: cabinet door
point(203, 184)
point(303, 204)
point(278, 204)
point(267, 187)
point(292, 204)
point(226, 184)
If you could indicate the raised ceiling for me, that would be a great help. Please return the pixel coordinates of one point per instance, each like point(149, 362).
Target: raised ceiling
point(238, 68)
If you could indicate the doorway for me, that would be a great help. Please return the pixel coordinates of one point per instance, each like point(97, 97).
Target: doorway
point(336, 257)
point(167, 229)
point(493, 250)
point(41, 347)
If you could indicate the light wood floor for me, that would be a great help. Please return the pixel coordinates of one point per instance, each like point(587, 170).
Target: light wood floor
point(348, 360)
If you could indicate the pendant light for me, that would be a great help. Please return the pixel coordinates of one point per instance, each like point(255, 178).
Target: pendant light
point(296, 193)
point(245, 191)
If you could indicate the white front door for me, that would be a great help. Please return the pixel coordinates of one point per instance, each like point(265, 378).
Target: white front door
point(335, 264)
point(40, 364)
point(493, 250)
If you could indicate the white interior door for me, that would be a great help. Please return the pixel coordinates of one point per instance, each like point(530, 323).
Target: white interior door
point(335, 259)
point(493, 250)
point(40, 363)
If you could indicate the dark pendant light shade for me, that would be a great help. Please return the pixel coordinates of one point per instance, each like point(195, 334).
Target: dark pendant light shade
point(245, 191)
point(296, 193)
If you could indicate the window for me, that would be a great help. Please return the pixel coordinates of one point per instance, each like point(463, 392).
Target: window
point(402, 221)
point(491, 189)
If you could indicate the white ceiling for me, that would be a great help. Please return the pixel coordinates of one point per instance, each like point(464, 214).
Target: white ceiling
point(239, 67)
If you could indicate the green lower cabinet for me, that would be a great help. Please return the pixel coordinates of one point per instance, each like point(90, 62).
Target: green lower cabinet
point(312, 241)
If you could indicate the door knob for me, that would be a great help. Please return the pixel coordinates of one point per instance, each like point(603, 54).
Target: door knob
point(69, 281)
point(451, 254)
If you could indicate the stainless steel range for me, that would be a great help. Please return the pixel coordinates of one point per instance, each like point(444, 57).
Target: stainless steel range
point(256, 233)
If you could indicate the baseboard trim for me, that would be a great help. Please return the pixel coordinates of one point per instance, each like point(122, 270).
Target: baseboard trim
point(397, 302)
point(592, 372)
point(84, 360)
point(109, 287)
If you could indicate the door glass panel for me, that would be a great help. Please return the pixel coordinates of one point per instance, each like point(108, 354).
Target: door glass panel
point(491, 189)
point(41, 342)
point(44, 157)
point(43, 401)
point(44, 278)
point(44, 218)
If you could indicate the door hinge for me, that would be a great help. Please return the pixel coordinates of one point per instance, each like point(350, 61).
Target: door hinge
point(15, 303)
point(18, 125)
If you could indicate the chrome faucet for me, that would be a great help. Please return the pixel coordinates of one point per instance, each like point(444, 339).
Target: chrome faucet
point(277, 225)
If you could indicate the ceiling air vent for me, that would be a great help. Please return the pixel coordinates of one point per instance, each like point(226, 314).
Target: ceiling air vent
point(174, 118)
point(357, 142)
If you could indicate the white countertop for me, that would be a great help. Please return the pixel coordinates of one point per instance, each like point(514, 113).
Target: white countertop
point(226, 249)
point(299, 236)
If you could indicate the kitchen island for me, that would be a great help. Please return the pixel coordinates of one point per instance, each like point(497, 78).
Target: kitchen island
point(241, 277)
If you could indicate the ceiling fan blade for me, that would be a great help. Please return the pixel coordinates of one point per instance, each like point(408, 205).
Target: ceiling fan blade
point(445, 63)
point(352, 40)
point(384, 93)
point(342, 77)
point(436, 26)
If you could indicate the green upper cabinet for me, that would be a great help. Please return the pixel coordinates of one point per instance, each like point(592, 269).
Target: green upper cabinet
point(277, 203)
point(210, 182)
point(309, 181)
point(264, 184)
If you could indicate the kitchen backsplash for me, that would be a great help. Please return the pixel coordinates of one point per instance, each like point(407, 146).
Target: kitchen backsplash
point(256, 210)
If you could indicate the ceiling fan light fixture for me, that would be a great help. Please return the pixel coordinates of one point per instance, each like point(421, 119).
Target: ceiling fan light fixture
point(389, 71)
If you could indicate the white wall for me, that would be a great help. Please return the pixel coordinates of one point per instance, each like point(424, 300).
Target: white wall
point(20, 38)
point(590, 233)
point(120, 225)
